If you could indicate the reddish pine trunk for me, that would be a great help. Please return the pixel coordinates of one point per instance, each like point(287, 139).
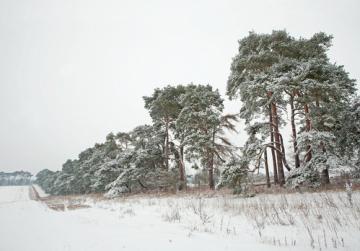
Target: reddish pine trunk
point(324, 176)
point(308, 128)
point(276, 180)
point(167, 144)
point(182, 169)
point(293, 128)
point(267, 169)
point(281, 174)
point(211, 164)
point(211, 174)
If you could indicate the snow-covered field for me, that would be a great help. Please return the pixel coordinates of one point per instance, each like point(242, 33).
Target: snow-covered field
point(321, 221)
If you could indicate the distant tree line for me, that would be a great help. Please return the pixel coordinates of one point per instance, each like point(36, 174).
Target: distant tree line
point(18, 178)
point(279, 80)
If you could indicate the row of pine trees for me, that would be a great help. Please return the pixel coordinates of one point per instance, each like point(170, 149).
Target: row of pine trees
point(281, 82)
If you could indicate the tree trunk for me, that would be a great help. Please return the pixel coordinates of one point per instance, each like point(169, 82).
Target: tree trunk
point(211, 164)
point(182, 169)
point(283, 153)
point(293, 129)
point(308, 128)
point(267, 169)
point(211, 173)
point(324, 176)
point(167, 144)
point(281, 174)
point(276, 180)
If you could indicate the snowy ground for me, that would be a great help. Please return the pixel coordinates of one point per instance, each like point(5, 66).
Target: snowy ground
point(322, 221)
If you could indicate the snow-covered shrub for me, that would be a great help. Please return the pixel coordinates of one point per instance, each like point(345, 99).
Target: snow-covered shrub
point(116, 191)
point(235, 175)
point(324, 159)
point(134, 179)
point(303, 176)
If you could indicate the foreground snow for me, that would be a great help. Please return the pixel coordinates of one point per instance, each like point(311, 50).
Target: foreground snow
point(267, 222)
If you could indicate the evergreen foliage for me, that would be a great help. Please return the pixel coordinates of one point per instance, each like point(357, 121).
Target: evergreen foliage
point(279, 79)
point(186, 121)
point(275, 72)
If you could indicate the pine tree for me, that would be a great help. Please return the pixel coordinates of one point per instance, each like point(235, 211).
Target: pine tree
point(164, 107)
point(199, 121)
point(251, 79)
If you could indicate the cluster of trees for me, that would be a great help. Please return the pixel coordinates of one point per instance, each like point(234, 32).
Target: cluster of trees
point(276, 77)
point(188, 126)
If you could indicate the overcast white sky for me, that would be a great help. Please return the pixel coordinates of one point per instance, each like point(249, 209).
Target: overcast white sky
point(72, 71)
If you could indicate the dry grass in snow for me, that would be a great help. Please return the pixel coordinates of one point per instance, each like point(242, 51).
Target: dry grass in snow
point(320, 221)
